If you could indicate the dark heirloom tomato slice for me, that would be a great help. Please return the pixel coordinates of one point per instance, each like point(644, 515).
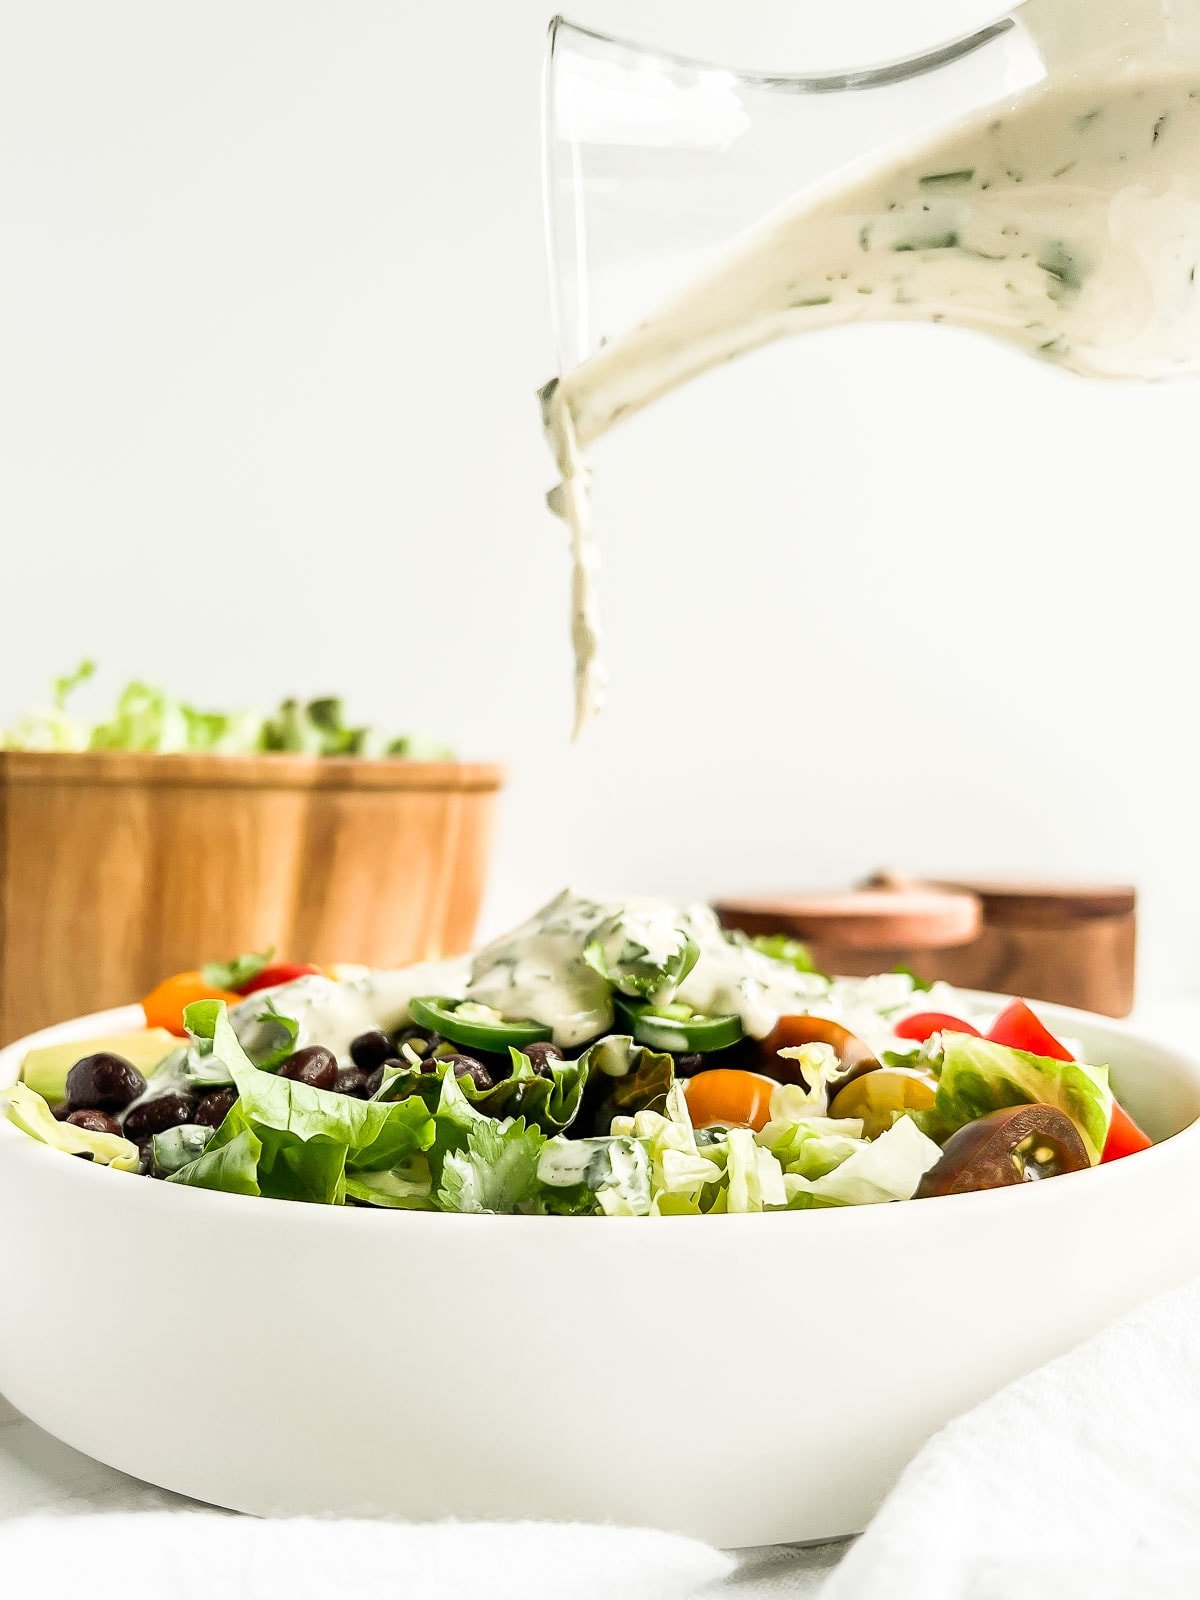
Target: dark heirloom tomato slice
point(1005, 1147)
point(790, 1033)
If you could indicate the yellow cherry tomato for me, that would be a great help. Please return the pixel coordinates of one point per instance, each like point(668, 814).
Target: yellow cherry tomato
point(879, 1097)
point(730, 1097)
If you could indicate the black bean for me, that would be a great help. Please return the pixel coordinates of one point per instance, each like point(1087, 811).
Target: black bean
point(94, 1121)
point(146, 1158)
point(61, 1111)
point(686, 1065)
point(103, 1082)
point(375, 1079)
point(370, 1050)
point(213, 1107)
point(315, 1066)
point(541, 1055)
point(468, 1067)
point(351, 1081)
point(156, 1116)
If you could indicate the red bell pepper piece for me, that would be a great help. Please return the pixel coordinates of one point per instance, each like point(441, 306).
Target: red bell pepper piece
point(924, 1023)
point(280, 972)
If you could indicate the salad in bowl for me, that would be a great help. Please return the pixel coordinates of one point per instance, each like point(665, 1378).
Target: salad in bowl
point(618, 1058)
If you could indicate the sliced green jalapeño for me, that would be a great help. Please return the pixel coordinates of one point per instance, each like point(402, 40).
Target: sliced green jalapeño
point(677, 1027)
point(478, 1027)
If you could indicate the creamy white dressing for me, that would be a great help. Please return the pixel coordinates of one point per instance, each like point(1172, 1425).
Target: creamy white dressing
point(1065, 220)
point(333, 1014)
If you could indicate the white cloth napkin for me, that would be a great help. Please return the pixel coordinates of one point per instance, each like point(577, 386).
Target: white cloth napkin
point(203, 1555)
point(1081, 1481)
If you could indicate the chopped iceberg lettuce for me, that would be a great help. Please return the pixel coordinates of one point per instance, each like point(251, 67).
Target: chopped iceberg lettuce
point(24, 1107)
point(887, 1168)
point(978, 1076)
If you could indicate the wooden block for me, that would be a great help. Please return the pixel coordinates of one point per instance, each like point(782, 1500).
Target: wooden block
point(117, 868)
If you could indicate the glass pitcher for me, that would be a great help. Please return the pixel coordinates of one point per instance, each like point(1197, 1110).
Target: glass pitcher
point(1038, 180)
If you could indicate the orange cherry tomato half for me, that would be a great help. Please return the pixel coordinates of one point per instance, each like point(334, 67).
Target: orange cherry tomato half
point(729, 1096)
point(789, 1033)
point(164, 1006)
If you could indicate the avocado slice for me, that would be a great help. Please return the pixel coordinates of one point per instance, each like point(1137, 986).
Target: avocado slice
point(45, 1069)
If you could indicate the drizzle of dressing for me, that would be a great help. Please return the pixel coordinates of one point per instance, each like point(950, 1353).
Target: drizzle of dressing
point(571, 500)
point(1065, 221)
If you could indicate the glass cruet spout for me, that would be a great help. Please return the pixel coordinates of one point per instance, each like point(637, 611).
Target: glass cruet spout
point(694, 211)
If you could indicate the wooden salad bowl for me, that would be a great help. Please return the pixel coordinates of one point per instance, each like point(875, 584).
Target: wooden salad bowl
point(119, 867)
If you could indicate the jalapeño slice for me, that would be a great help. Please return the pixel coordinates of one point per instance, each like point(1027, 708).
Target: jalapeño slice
point(677, 1027)
point(478, 1027)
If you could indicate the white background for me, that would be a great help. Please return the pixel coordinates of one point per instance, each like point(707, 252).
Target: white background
point(272, 313)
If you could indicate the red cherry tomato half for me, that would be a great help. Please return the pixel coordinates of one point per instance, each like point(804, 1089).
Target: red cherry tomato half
point(1125, 1138)
point(281, 972)
point(1019, 1029)
point(924, 1023)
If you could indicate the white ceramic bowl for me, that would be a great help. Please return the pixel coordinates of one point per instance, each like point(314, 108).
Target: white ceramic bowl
point(745, 1379)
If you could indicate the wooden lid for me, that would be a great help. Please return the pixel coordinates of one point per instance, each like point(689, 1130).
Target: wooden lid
point(1010, 903)
point(922, 917)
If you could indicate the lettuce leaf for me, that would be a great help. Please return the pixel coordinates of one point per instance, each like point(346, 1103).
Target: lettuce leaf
point(813, 1146)
point(887, 1168)
point(178, 1147)
point(231, 1167)
point(307, 1138)
point(779, 947)
point(146, 718)
point(26, 1108)
point(407, 1187)
point(978, 1076)
point(754, 1179)
point(273, 1042)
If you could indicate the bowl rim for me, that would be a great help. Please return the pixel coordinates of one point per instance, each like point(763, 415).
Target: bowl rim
point(1182, 1146)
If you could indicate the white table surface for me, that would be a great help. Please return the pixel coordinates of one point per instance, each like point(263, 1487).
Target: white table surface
point(38, 1474)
